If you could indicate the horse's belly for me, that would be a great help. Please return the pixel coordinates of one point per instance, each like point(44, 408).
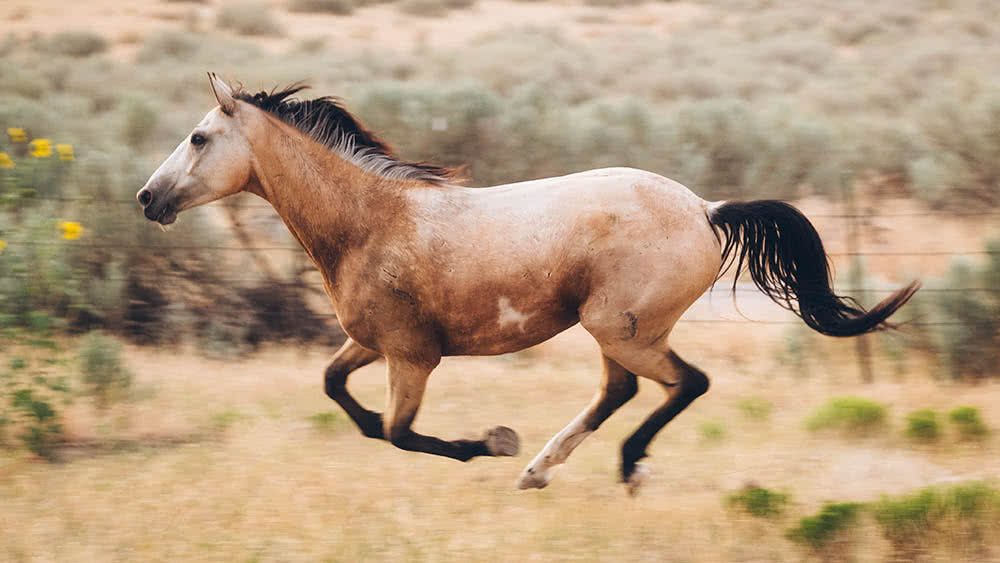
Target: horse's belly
point(510, 330)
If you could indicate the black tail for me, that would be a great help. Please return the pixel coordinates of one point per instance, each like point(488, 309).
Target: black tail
point(786, 260)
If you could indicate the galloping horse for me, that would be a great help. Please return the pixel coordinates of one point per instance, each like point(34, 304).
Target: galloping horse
point(418, 268)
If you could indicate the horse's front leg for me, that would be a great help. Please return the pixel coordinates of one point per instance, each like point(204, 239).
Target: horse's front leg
point(407, 382)
point(350, 357)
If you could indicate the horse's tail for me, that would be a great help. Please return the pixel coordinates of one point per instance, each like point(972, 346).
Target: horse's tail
point(786, 260)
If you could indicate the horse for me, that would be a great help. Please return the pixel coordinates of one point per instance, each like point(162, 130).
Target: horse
point(418, 267)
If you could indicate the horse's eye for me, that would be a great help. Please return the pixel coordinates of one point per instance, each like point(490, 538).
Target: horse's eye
point(197, 140)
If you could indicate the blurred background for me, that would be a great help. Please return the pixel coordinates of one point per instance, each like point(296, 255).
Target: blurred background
point(161, 393)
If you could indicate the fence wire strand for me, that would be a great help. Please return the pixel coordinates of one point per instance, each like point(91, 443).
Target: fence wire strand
point(722, 287)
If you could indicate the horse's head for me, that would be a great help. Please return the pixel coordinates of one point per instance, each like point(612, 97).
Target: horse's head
point(214, 161)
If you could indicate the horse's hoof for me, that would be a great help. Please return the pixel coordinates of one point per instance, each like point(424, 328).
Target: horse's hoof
point(502, 441)
point(533, 479)
point(636, 479)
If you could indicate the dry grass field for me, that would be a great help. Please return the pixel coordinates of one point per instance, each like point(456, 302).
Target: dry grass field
point(220, 453)
point(220, 461)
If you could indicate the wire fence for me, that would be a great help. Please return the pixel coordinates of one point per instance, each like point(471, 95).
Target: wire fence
point(853, 218)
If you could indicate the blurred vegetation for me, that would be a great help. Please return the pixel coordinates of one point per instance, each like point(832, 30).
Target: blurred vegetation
point(922, 425)
point(825, 532)
point(76, 43)
point(758, 501)
point(104, 373)
point(33, 389)
point(957, 518)
point(327, 422)
point(971, 339)
point(784, 104)
point(969, 422)
point(756, 408)
point(338, 7)
point(248, 18)
point(712, 431)
point(853, 416)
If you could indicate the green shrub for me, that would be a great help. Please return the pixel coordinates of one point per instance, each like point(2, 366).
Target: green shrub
point(338, 7)
point(76, 43)
point(756, 408)
point(248, 18)
point(758, 501)
point(850, 414)
point(832, 522)
point(971, 333)
point(104, 372)
point(923, 425)
point(968, 421)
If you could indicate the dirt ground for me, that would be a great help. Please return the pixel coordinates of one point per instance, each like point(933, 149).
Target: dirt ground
point(218, 461)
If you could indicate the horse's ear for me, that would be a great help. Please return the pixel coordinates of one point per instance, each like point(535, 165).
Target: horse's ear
point(223, 93)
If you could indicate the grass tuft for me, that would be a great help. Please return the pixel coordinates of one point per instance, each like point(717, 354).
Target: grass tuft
point(922, 425)
point(758, 501)
point(852, 415)
point(969, 422)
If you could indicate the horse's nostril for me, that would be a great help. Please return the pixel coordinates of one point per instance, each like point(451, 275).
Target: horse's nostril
point(145, 197)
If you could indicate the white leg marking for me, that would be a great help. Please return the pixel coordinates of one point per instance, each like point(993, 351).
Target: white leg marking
point(539, 472)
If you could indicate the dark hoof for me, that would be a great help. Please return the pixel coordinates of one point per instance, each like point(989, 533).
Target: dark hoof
point(502, 441)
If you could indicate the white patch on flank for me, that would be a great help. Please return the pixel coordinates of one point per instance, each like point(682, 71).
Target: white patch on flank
point(509, 315)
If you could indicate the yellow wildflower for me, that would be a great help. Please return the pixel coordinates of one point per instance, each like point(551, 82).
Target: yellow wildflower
point(3, 245)
point(5, 161)
point(70, 229)
point(65, 151)
point(41, 148)
point(17, 135)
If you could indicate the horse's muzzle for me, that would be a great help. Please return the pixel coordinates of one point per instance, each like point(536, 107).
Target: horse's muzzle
point(154, 208)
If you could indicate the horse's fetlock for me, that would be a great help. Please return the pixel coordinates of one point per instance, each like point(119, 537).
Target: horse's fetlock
point(399, 436)
point(697, 383)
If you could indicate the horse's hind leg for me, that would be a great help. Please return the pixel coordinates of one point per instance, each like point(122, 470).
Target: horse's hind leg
point(407, 382)
point(683, 383)
point(350, 357)
point(618, 386)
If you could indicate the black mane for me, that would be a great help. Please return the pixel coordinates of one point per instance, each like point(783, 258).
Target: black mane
point(329, 123)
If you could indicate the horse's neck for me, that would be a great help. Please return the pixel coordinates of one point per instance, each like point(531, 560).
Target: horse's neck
point(321, 198)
